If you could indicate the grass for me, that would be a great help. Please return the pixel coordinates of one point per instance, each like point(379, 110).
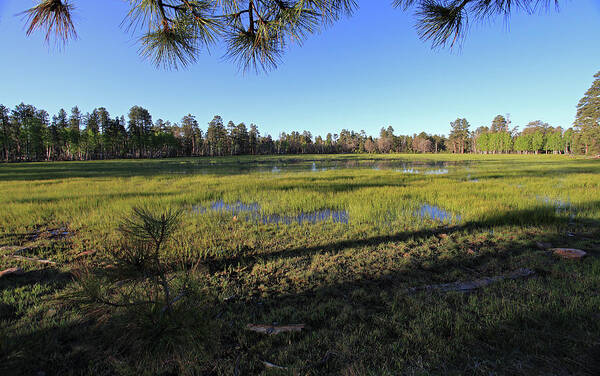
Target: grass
point(347, 282)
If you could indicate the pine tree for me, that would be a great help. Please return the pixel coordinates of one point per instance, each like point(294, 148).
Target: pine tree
point(257, 33)
point(587, 120)
point(139, 126)
point(216, 137)
point(74, 133)
point(242, 139)
point(254, 136)
point(6, 140)
point(499, 124)
point(190, 130)
point(459, 135)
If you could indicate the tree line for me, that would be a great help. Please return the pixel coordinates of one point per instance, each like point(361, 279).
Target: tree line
point(537, 136)
point(29, 134)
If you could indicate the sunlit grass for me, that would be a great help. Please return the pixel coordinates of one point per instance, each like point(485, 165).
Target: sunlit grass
point(344, 280)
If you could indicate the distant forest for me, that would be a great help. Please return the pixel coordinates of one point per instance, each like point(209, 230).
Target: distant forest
point(30, 134)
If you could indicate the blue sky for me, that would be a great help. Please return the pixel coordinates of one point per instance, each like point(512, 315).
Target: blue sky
point(364, 72)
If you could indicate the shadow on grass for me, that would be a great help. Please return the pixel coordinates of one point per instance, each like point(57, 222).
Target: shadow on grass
point(34, 277)
point(536, 216)
point(367, 325)
point(546, 326)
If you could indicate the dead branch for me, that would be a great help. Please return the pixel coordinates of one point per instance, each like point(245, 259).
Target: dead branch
point(273, 330)
point(474, 284)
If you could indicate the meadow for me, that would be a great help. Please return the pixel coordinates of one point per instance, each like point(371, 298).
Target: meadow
point(344, 244)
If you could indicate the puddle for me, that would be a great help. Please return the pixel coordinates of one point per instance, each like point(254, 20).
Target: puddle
point(435, 213)
point(408, 171)
point(441, 171)
point(472, 180)
point(236, 208)
point(560, 206)
point(253, 213)
point(337, 216)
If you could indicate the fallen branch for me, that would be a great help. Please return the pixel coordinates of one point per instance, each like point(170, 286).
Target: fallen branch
point(23, 258)
point(272, 329)
point(15, 271)
point(86, 253)
point(271, 365)
point(14, 249)
point(474, 284)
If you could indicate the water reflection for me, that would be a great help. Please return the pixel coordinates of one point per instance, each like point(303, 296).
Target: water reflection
point(253, 212)
point(472, 180)
point(435, 213)
point(283, 166)
point(441, 171)
point(559, 206)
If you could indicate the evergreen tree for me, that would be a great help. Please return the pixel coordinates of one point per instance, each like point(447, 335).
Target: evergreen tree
point(499, 124)
point(190, 130)
point(23, 120)
point(587, 119)
point(253, 139)
point(256, 33)
point(216, 137)
point(459, 135)
point(6, 136)
point(242, 140)
point(74, 133)
point(90, 140)
point(139, 126)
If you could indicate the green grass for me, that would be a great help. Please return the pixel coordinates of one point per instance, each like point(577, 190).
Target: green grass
point(347, 282)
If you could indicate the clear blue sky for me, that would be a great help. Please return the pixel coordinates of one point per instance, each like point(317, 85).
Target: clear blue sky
point(364, 72)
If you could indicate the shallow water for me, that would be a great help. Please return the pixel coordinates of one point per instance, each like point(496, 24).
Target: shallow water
point(276, 167)
point(435, 213)
point(560, 206)
point(253, 212)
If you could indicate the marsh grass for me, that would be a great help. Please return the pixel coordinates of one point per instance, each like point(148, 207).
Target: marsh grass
point(346, 281)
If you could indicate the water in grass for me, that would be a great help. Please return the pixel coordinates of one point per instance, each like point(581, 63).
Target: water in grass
point(435, 213)
point(277, 167)
point(252, 211)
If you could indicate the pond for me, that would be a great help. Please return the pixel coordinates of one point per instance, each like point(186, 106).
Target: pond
point(287, 166)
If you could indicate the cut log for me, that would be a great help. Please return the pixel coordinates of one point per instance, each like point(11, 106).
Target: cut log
point(568, 253)
point(474, 284)
point(272, 329)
